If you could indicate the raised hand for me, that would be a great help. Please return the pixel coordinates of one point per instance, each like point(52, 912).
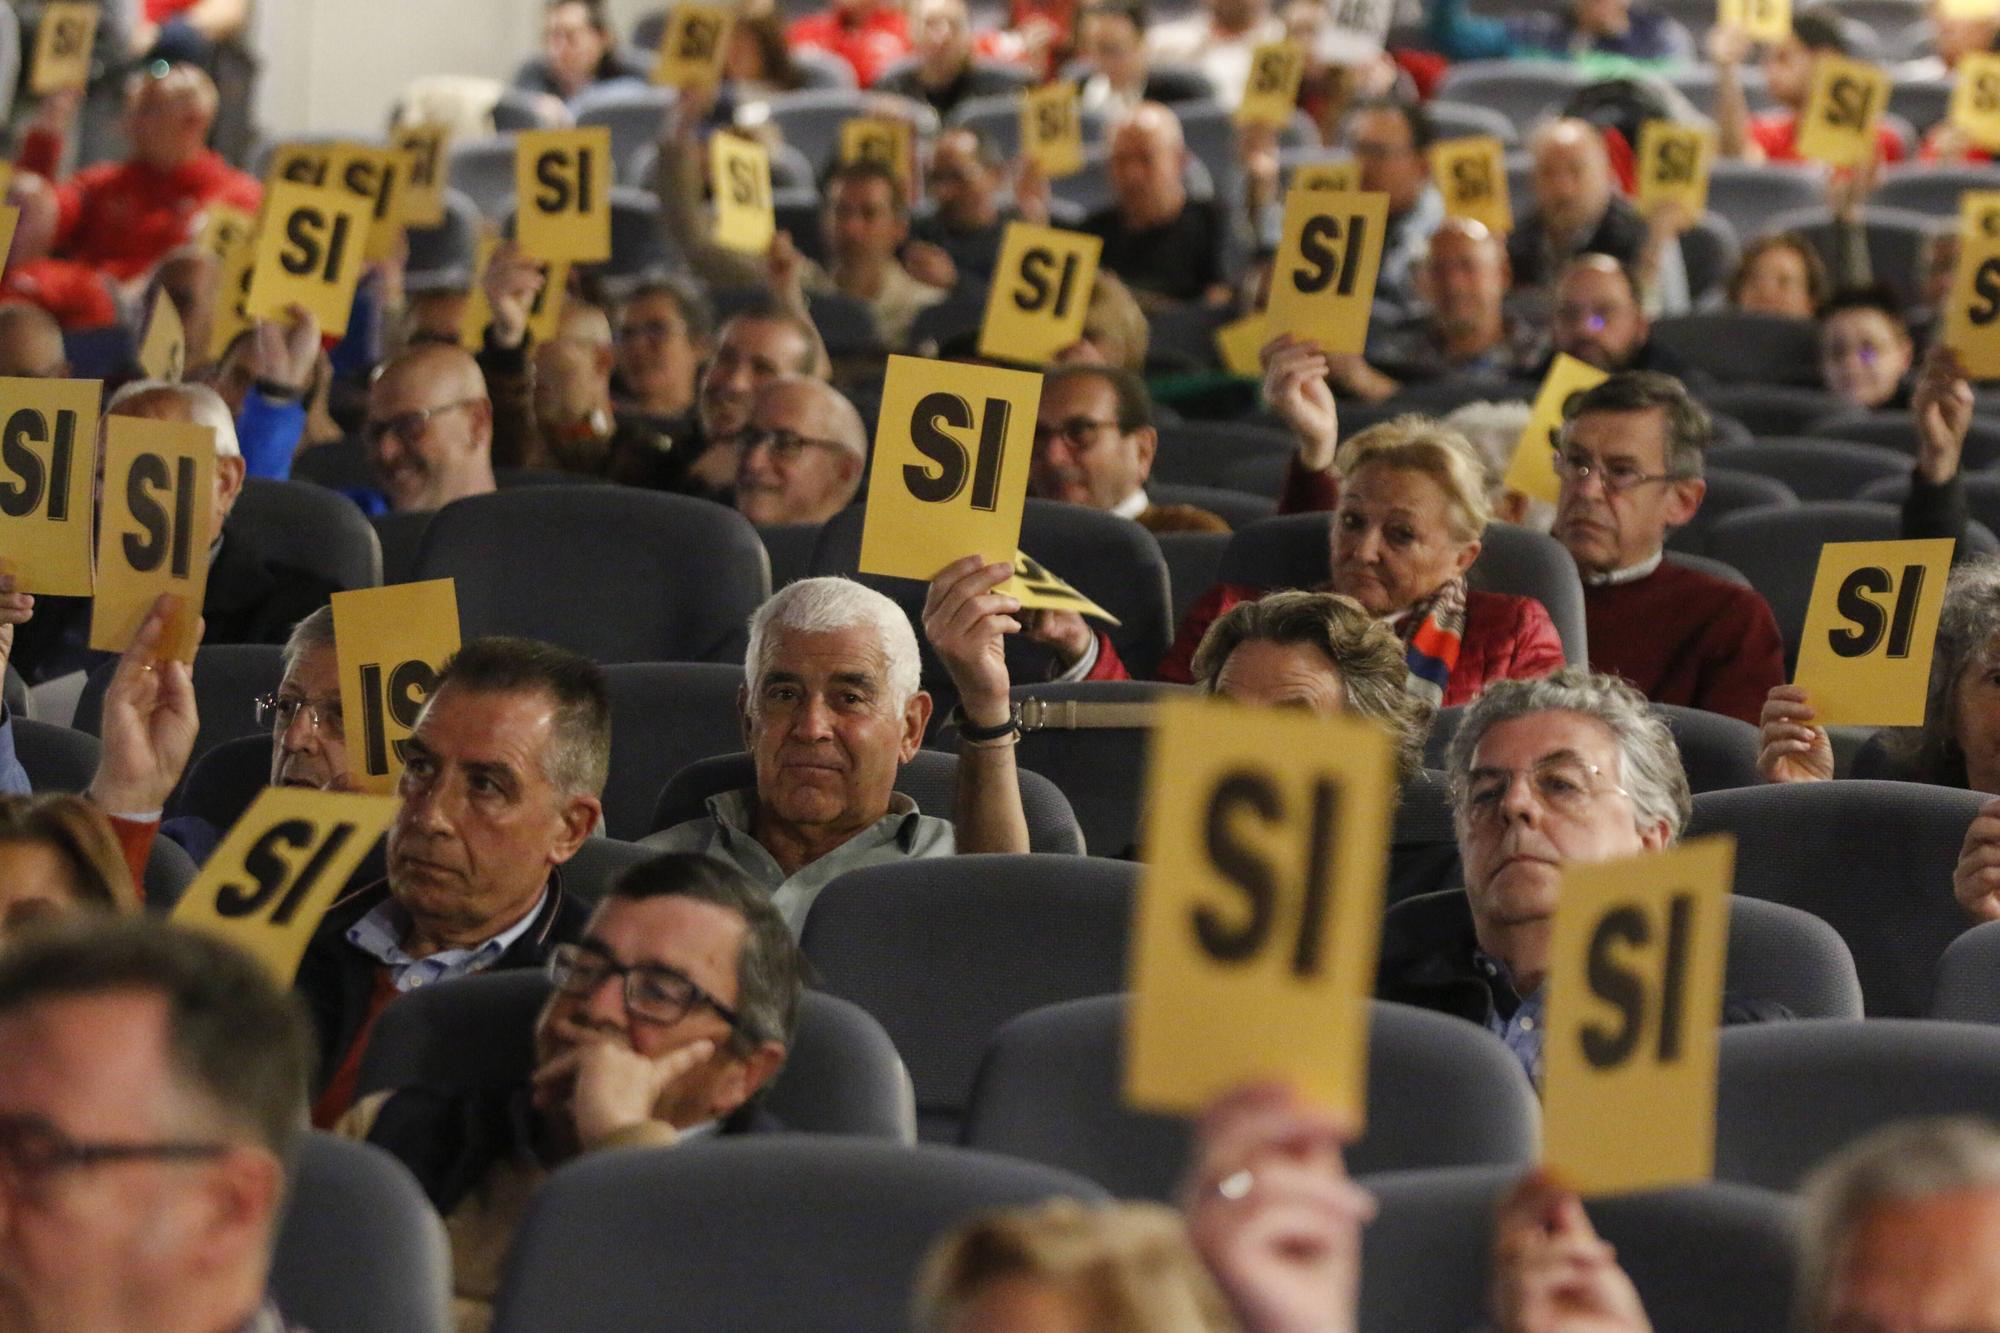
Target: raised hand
point(1295, 385)
point(149, 721)
point(1791, 748)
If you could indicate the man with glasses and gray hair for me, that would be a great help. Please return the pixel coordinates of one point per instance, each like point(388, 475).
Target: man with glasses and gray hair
point(666, 1018)
point(1629, 459)
point(802, 455)
point(1571, 767)
point(429, 431)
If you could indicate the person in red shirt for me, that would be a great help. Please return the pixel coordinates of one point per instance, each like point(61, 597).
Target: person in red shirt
point(77, 295)
point(867, 34)
point(1772, 136)
point(122, 218)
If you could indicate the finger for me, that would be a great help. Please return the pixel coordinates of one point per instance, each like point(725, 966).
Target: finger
point(679, 1061)
point(947, 578)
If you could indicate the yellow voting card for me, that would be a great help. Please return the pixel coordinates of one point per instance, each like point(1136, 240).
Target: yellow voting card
point(883, 139)
point(310, 252)
point(1040, 590)
point(62, 47)
point(391, 643)
point(1532, 471)
point(950, 477)
point(1052, 128)
point(1975, 99)
point(1634, 1001)
point(1760, 20)
point(302, 162)
point(229, 314)
point(421, 202)
point(741, 182)
point(478, 310)
point(1239, 342)
point(1844, 112)
point(48, 457)
point(374, 175)
point(153, 531)
point(1865, 654)
point(562, 192)
point(1267, 834)
point(163, 351)
point(1969, 9)
point(1272, 94)
point(1972, 307)
point(280, 867)
point(545, 315)
point(694, 46)
point(1039, 295)
point(224, 228)
point(1471, 174)
point(1323, 280)
point(1342, 175)
point(1673, 166)
point(10, 218)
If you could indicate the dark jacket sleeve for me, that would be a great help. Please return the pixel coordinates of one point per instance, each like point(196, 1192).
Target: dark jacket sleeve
point(515, 443)
point(1932, 510)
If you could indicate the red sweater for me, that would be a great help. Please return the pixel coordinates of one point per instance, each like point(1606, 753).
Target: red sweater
point(78, 295)
point(1684, 637)
point(1506, 638)
point(871, 45)
point(124, 217)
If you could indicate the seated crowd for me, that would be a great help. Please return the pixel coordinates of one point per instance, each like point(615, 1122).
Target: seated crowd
point(156, 1084)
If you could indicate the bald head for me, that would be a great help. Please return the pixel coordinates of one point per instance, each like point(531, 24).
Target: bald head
point(430, 428)
point(802, 457)
point(1148, 153)
point(1572, 176)
point(31, 345)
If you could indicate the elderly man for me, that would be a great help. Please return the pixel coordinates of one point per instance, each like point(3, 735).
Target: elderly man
point(123, 217)
point(1094, 445)
point(1571, 767)
point(500, 786)
point(700, 1010)
point(832, 708)
point(664, 328)
point(867, 34)
point(961, 235)
point(1629, 458)
point(756, 346)
point(552, 404)
point(1600, 318)
point(942, 71)
point(429, 431)
point(1219, 41)
point(249, 599)
point(1577, 210)
point(1391, 139)
point(1465, 329)
point(1166, 246)
point(152, 1088)
point(31, 344)
point(801, 458)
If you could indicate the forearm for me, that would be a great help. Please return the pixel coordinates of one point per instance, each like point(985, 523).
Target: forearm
point(515, 443)
point(1935, 508)
point(988, 816)
point(1851, 265)
point(1732, 114)
point(676, 182)
point(219, 20)
point(269, 430)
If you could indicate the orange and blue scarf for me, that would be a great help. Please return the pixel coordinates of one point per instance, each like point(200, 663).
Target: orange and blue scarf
point(1433, 631)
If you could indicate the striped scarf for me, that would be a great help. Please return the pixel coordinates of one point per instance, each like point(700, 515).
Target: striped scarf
point(1432, 632)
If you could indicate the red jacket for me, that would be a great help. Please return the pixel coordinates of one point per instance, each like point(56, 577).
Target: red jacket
point(78, 295)
point(1506, 638)
point(124, 217)
point(871, 45)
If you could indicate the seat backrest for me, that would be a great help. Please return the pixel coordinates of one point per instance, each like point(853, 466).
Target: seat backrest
point(1819, 846)
point(790, 548)
point(1715, 1258)
point(1789, 1094)
point(1193, 561)
point(483, 171)
point(1737, 347)
point(1101, 770)
point(221, 784)
point(310, 528)
point(1897, 238)
point(1932, 188)
point(359, 1247)
point(1716, 751)
point(336, 464)
point(442, 256)
point(228, 678)
point(1814, 469)
point(1771, 409)
point(1200, 453)
point(1896, 431)
point(842, 1075)
point(930, 779)
point(169, 871)
point(1523, 91)
point(1709, 251)
point(1710, 566)
point(808, 1235)
point(1441, 1092)
point(57, 759)
point(401, 537)
point(1233, 507)
point(631, 111)
point(1728, 491)
point(664, 716)
point(1469, 120)
point(630, 576)
point(1968, 977)
point(1749, 193)
point(943, 953)
point(1787, 956)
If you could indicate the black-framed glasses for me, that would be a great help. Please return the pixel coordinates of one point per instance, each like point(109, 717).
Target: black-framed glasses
point(32, 1149)
point(785, 445)
point(409, 427)
point(1078, 433)
point(1618, 475)
point(653, 991)
point(279, 711)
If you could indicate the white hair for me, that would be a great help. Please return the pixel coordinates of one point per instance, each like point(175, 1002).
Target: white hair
point(205, 407)
point(1495, 431)
point(826, 605)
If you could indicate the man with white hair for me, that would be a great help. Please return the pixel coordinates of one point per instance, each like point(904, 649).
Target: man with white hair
point(250, 598)
point(1569, 768)
point(802, 456)
point(831, 708)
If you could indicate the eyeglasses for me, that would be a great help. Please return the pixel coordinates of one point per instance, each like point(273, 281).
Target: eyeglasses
point(655, 993)
point(409, 427)
point(1617, 475)
point(656, 330)
point(32, 1149)
point(1078, 433)
point(1563, 784)
point(279, 711)
point(785, 446)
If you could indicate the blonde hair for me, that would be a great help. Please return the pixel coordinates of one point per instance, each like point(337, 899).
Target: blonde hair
point(1114, 314)
point(1426, 445)
point(1129, 1265)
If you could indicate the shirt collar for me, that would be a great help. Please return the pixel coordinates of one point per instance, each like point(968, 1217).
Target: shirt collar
point(1133, 505)
point(380, 934)
point(1629, 574)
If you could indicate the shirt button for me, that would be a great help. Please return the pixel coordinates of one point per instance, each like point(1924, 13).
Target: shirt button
point(416, 980)
point(1527, 1024)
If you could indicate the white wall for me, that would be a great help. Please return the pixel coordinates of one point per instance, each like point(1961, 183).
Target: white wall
point(338, 66)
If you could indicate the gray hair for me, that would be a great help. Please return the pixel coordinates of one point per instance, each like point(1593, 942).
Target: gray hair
point(1899, 1163)
point(1689, 427)
point(826, 605)
point(315, 631)
point(205, 408)
point(1494, 431)
point(1649, 764)
point(1967, 625)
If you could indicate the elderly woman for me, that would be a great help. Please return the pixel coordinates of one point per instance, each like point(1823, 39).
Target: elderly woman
point(1412, 508)
point(58, 856)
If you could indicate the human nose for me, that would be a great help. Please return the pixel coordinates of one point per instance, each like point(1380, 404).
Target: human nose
point(812, 720)
point(302, 732)
point(1365, 546)
point(605, 1002)
point(1519, 802)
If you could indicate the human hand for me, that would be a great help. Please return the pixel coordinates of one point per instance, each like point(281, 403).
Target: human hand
point(967, 624)
point(1032, 192)
point(16, 608)
point(1063, 633)
point(1975, 881)
point(149, 721)
point(1295, 385)
point(286, 354)
point(1790, 748)
point(1551, 1272)
point(930, 264)
point(1942, 407)
point(606, 1086)
point(1728, 46)
point(512, 281)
